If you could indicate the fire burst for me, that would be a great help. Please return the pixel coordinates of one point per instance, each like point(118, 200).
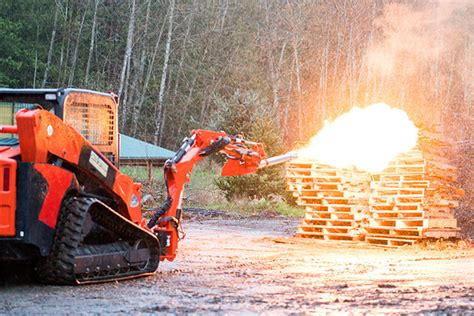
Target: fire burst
point(367, 138)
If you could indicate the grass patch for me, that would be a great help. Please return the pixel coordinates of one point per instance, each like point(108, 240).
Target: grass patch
point(140, 173)
point(256, 207)
point(202, 192)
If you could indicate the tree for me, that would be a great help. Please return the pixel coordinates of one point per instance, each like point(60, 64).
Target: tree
point(249, 115)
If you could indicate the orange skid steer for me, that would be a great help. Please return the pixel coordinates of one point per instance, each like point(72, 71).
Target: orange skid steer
point(64, 204)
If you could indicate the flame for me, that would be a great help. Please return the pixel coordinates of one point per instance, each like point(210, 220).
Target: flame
point(368, 139)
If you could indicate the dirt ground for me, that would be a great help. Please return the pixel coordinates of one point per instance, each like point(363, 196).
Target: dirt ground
point(230, 266)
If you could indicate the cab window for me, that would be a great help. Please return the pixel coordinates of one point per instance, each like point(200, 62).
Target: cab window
point(8, 112)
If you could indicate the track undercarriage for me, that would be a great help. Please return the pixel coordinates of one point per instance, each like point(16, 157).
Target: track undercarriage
point(93, 243)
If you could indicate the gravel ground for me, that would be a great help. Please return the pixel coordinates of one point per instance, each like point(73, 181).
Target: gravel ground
point(234, 266)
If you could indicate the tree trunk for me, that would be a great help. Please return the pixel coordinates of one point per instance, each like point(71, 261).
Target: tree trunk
point(181, 59)
point(369, 47)
point(147, 80)
point(51, 46)
point(126, 61)
point(298, 89)
point(36, 69)
point(323, 84)
point(164, 74)
point(91, 45)
point(124, 99)
point(36, 56)
point(61, 55)
point(186, 106)
point(223, 16)
point(76, 48)
point(164, 116)
point(275, 71)
point(138, 77)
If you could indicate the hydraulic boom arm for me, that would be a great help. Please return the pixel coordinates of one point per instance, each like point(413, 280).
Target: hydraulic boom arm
point(243, 157)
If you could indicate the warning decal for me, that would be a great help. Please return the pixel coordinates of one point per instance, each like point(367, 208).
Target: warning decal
point(99, 164)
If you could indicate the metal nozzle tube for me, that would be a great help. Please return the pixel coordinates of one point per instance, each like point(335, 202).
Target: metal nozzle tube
point(278, 159)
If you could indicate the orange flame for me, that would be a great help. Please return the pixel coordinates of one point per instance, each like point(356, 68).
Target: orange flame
point(367, 138)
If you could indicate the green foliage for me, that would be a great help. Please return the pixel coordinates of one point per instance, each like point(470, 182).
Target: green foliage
point(252, 116)
point(12, 54)
point(24, 26)
point(202, 192)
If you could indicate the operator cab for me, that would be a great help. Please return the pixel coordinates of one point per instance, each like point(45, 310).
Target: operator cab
point(93, 114)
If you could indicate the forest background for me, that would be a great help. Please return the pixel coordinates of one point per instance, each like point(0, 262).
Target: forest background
point(274, 70)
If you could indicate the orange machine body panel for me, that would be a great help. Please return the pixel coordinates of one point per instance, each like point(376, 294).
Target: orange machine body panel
point(8, 168)
point(42, 135)
point(59, 180)
point(57, 143)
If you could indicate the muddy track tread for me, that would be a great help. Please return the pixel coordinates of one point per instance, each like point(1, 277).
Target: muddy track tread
point(128, 232)
point(58, 267)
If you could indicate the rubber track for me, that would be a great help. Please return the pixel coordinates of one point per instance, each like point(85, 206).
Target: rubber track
point(58, 267)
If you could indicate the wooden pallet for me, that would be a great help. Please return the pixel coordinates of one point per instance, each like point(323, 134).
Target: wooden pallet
point(325, 233)
point(395, 202)
point(441, 223)
point(444, 233)
point(391, 242)
point(394, 232)
point(333, 203)
point(400, 184)
point(386, 215)
point(398, 206)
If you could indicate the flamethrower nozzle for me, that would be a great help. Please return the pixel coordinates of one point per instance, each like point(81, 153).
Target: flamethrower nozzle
point(278, 159)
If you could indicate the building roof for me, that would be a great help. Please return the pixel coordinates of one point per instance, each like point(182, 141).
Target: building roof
point(135, 149)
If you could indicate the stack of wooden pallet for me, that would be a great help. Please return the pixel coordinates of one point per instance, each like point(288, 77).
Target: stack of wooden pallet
point(414, 197)
point(335, 200)
point(396, 201)
point(443, 193)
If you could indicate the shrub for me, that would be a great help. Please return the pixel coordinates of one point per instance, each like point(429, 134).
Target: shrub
point(253, 117)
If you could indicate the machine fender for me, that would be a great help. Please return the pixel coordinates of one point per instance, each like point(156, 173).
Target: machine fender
point(118, 183)
point(62, 181)
point(37, 205)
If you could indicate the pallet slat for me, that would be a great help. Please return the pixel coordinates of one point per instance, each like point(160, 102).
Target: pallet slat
point(411, 199)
